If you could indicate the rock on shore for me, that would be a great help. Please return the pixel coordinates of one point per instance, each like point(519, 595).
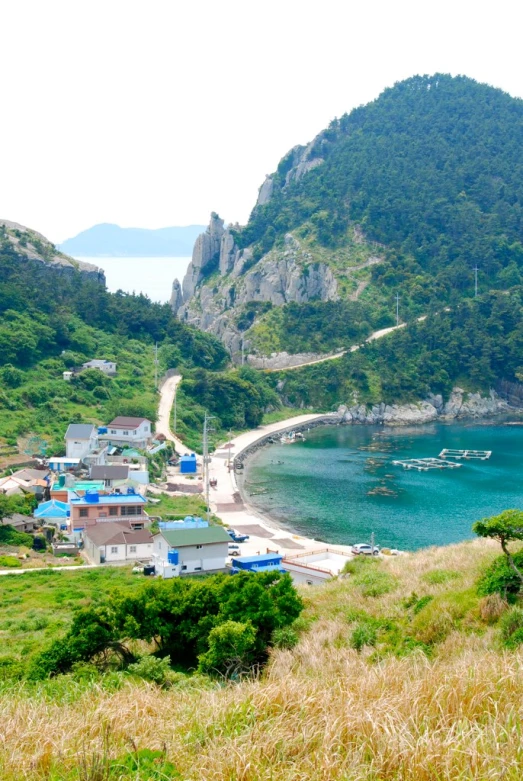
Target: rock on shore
point(459, 405)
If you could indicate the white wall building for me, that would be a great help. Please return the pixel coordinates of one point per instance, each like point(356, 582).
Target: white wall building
point(107, 367)
point(80, 440)
point(114, 541)
point(190, 548)
point(313, 568)
point(133, 432)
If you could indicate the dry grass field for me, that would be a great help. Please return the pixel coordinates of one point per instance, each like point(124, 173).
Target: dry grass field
point(431, 697)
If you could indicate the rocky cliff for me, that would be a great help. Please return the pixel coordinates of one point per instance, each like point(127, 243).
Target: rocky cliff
point(36, 247)
point(460, 405)
point(222, 278)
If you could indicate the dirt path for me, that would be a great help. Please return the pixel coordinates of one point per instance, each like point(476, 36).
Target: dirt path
point(163, 424)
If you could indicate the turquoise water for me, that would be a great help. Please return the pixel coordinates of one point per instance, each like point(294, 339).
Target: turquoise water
point(340, 485)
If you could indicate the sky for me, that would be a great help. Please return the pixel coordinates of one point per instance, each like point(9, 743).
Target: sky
point(150, 114)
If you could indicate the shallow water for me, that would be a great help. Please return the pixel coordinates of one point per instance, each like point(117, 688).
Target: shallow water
point(340, 485)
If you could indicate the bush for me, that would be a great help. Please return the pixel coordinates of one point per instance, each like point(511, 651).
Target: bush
point(499, 578)
point(374, 582)
point(512, 628)
point(286, 637)
point(492, 607)
point(231, 647)
point(150, 668)
point(9, 561)
point(9, 536)
point(142, 764)
point(362, 635)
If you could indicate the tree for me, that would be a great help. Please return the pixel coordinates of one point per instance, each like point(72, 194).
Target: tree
point(231, 649)
point(506, 527)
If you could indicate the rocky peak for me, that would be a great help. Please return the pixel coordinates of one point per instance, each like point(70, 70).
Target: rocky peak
point(176, 299)
point(206, 252)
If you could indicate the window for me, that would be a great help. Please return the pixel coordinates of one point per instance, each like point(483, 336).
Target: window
point(197, 569)
point(125, 432)
point(84, 512)
point(184, 566)
point(132, 548)
point(113, 510)
point(199, 547)
point(132, 510)
point(114, 549)
point(134, 432)
point(102, 515)
point(113, 431)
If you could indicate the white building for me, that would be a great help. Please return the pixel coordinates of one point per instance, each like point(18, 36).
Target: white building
point(107, 367)
point(116, 541)
point(133, 432)
point(80, 440)
point(315, 567)
point(188, 547)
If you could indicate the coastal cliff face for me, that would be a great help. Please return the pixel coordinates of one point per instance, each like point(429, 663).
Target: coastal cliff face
point(460, 405)
point(221, 279)
point(36, 247)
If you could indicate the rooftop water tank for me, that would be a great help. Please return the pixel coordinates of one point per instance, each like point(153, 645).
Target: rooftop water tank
point(61, 481)
point(93, 497)
point(172, 557)
point(102, 429)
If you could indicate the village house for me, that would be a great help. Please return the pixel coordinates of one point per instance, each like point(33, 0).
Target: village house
point(107, 367)
point(129, 431)
point(94, 507)
point(22, 523)
point(185, 547)
point(80, 440)
point(109, 474)
point(117, 541)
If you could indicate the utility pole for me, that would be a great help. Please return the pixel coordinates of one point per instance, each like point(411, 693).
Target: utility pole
point(156, 365)
point(243, 355)
point(372, 542)
point(206, 459)
point(229, 452)
point(397, 309)
point(476, 281)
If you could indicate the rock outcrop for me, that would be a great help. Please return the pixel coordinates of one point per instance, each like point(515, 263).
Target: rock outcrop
point(176, 299)
point(460, 405)
point(206, 252)
point(35, 246)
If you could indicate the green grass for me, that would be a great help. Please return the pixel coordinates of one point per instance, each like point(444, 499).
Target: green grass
point(37, 607)
point(177, 506)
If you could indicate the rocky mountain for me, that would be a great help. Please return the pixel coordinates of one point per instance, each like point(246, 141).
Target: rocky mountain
point(404, 196)
point(107, 240)
point(32, 245)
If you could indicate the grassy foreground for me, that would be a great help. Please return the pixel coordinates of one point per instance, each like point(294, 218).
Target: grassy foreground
point(432, 696)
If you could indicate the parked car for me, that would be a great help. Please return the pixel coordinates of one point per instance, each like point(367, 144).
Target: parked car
point(364, 549)
point(235, 553)
point(236, 536)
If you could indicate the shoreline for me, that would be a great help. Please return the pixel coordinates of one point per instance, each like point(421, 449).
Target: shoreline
point(229, 503)
point(240, 513)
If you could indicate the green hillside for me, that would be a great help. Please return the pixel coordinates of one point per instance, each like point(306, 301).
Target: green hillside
point(53, 318)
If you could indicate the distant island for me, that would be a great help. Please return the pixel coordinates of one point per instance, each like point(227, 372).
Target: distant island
point(107, 240)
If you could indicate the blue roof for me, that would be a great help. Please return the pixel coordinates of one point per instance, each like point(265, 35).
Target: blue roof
point(262, 559)
point(111, 499)
point(52, 509)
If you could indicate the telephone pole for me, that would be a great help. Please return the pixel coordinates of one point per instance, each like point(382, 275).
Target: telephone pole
point(206, 459)
point(243, 354)
point(397, 309)
point(476, 281)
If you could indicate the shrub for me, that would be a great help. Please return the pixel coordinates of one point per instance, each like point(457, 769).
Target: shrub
point(438, 576)
point(499, 578)
point(286, 637)
point(142, 764)
point(9, 561)
point(362, 635)
point(150, 668)
point(512, 628)
point(9, 536)
point(374, 583)
point(231, 649)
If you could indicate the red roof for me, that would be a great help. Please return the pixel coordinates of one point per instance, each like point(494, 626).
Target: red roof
point(122, 422)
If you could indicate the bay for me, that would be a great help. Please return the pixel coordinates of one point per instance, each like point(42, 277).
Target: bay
point(340, 485)
point(151, 276)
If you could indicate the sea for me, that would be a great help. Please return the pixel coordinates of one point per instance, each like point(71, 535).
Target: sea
point(151, 276)
point(340, 485)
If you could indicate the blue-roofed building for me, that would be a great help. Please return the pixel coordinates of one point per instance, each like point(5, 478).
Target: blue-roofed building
point(264, 562)
point(54, 511)
point(94, 507)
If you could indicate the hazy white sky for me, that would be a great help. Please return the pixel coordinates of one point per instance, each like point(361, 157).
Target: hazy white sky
point(156, 112)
